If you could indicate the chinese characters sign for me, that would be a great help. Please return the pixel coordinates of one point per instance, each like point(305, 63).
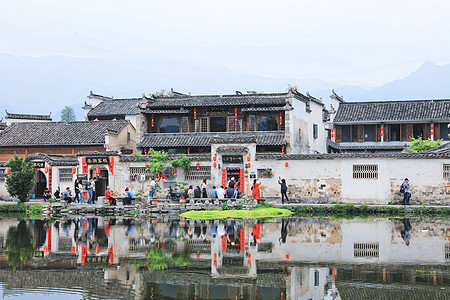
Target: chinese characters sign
point(232, 159)
point(97, 160)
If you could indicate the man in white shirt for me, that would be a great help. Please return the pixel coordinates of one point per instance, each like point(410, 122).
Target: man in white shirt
point(220, 193)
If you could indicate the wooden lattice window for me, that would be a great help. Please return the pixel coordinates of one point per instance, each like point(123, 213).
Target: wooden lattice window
point(366, 249)
point(139, 174)
point(204, 125)
point(2, 175)
point(447, 251)
point(251, 123)
point(365, 171)
point(231, 124)
point(185, 124)
point(194, 174)
point(446, 171)
point(65, 174)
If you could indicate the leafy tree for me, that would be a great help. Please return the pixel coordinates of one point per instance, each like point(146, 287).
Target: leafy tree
point(20, 245)
point(20, 181)
point(419, 145)
point(182, 161)
point(68, 114)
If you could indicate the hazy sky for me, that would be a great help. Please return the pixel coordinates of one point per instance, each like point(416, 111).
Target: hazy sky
point(357, 42)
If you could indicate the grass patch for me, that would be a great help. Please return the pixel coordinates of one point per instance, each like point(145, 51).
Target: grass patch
point(133, 212)
point(35, 210)
point(259, 213)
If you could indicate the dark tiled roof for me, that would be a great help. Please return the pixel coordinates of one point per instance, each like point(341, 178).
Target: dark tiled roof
point(278, 156)
point(192, 157)
point(59, 133)
point(202, 139)
point(55, 160)
point(384, 111)
point(220, 100)
point(232, 149)
point(28, 117)
point(115, 107)
point(167, 111)
point(98, 153)
point(363, 146)
point(271, 108)
point(443, 149)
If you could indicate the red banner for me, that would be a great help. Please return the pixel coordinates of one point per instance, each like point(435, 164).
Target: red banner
point(242, 181)
point(224, 177)
point(50, 179)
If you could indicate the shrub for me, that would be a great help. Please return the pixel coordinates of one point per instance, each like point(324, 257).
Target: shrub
point(20, 181)
point(419, 145)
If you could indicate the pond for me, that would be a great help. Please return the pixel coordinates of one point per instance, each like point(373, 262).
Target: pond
point(172, 258)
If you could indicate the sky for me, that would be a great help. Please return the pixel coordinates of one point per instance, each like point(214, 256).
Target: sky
point(348, 42)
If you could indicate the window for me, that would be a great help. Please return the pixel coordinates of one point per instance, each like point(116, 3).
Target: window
point(231, 124)
point(204, 125)
point(315, 131)
point(446, 171)
point(369, 133)
point(366, 249)
point(194, 174)
point(267, 123)
point(447, 251)
point(169, 125)
point(196, 125)
point(251, 122)
point(394, 132)
point(168, 173)
point(128, 136)
point(365, 171)
point(418, 131)
point(444, 131)
point(218, 124)
point(346, 133)
point(185, 124)
point(65, 174)
point(239, 125)
point(139, 174)
point(2, 175)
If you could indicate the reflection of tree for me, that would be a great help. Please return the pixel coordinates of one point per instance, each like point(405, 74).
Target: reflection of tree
point(20, 245)
point(156, 260)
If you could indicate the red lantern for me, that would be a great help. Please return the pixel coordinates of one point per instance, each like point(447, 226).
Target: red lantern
point(198, 165)
point(111, 159)
point(73, 250)
point(97, 170)
point(235, 113)
point(163, 176)
point(8, 171)
point(46, 170)
point(248, 158)
point(214, 158)
point(74, 170)
point(332, 132)
point(431, 129)
point(249, 165)
point(381, 131)
point(145, 150)
point(195, 113)
point(156, 176)
point(83, 161)
point(282, 149)
point(198, 254)
point(281, 118)
point(146, 166)
point(287, 256)
point(97, 249)
point(174, 171)
point(286, 164)
point(153, 120)
point(215, 165)
point(189, 150)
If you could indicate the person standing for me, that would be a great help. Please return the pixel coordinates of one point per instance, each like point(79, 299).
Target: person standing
point(256, 193)
point(152, 188)
point(90, 189)
point(230, 185)
point(213, 193)
point(204, 191)
point(405, 187)
point(76, 187)
point(94, 190)
point(236, 190)
point(220, 193)
point(282, 182)
point(197, 192)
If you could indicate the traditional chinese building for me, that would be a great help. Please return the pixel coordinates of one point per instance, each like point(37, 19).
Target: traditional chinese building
point(386, 126)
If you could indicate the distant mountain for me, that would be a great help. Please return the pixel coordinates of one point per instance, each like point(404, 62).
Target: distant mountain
point(46, 84)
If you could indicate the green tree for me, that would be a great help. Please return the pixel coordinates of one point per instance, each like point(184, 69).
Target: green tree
point(419, 145)
point(20, 245)
point(68, 114)
point(20, 181)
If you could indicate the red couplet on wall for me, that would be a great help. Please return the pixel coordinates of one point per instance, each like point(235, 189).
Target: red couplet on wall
point(83, 160)
point(224, 177)
point(242, 180)
point(111, 159)
point(50, 178)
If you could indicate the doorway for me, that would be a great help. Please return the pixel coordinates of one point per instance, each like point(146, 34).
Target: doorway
point(101, 183)
point(40, 185)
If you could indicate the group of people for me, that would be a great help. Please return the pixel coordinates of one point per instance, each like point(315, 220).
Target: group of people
point(256, 192)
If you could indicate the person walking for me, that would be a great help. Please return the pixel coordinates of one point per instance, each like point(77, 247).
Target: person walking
point(282, 182)
point(405, 188)
point(76, 187)
point(256, 193)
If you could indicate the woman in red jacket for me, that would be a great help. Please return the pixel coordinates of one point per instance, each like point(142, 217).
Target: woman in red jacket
point(255, 189)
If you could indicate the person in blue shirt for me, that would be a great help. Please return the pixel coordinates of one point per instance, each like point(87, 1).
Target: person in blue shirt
point(66, 195)
point(405, 186)
point(130, 196)
point(213, 193)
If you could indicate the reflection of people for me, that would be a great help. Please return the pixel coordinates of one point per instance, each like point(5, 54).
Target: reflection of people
point(406, 232)
point(256, 193)
point(405, 187)
point(284, 232)
point(282, 182)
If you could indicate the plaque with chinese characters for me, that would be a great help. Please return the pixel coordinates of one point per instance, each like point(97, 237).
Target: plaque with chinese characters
point(97, 160)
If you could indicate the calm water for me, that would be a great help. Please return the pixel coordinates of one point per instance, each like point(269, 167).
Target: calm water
point(169, 258)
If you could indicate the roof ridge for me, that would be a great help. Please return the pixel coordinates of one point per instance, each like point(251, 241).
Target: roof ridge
point(394, 101)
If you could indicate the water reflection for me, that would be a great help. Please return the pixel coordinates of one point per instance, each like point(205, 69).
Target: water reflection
point(172, 258)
